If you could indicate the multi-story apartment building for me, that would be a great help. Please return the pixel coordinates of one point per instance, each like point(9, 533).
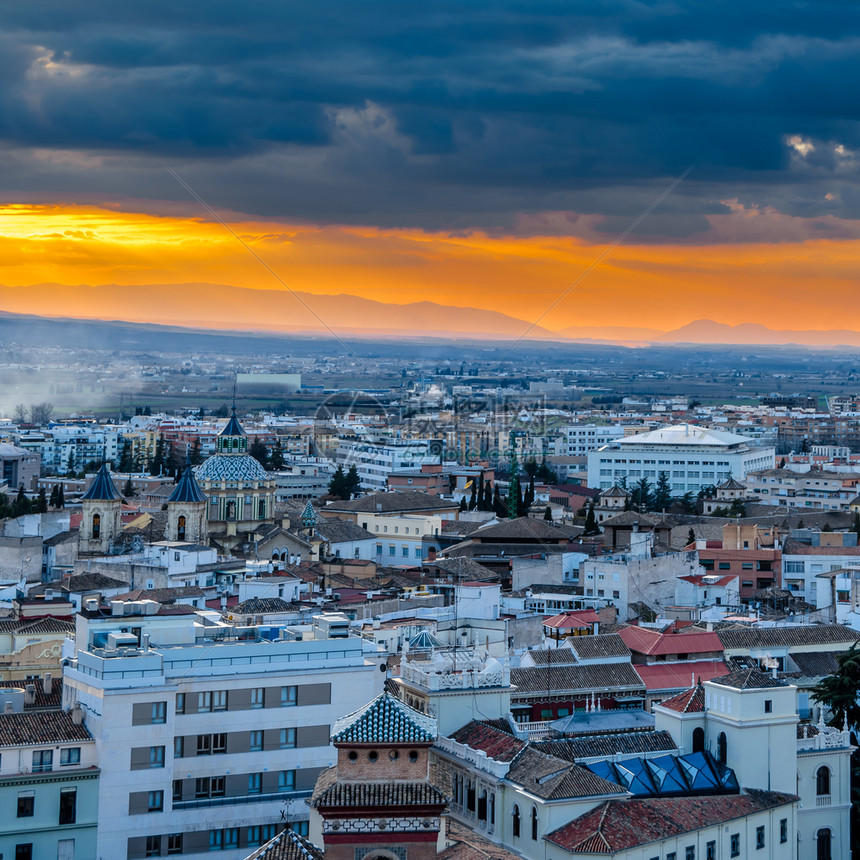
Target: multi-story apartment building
point(375, 459)
point(49, 781)
point(77, 445)
point(817, 488)
point(304, 478)
point(210, 737)
point(692, 457)
point(807, 556)
point(582, 438)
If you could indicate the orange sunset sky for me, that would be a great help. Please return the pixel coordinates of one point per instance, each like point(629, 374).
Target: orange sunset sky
point(52, 254)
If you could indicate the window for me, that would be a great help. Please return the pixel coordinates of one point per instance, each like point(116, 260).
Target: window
point(823, 844)
point(735, 845)
point(177, 790)
point(204, 744)
point(256, 741)
point(690, 852)
point(287, 780)
point(822, 781)
point(70, 755)
point(722, 752)
point(768, 706)
point(159, 712)
point(759, 837)
point(783, 830)
point(26, 803)
point(671, 856)
point(155, 801)
point(201, 786)
point(68, 805)
point(156, 756)
point(219, 743)
point(711, 851)
point(97, 526)
point(257, 695)
point(534, 823)
point(180, 703)
point(392, 549)
point(178, 747)
point(288, 739)
point(204, 701)
point(216, 840)
point(174, 843)
point(43, 761)
point(515, 821)
point(219, 700)
point(255, 783)
point(253, 836)
point(288, 696)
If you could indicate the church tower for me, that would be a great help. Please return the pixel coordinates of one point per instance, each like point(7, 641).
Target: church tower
point(186, 511)
point(101, 521)
point(378, 802)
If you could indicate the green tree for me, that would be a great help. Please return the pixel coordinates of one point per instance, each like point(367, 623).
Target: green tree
point(591, 522)
point(70, 466)
point(838, 691)
point(530, 466)
point(688, 503)
point(499, 506)
point(827, 527)
point(337, 485)
point(530, 493)
point(662, 492)
point(546, 474)
point(547, 514)
point(195, 457)
point(691, 536)
point(473, 498)
point(126, 463)
point(259, 452)
point(128, 490)
point(642, 494)
point(463, 505)
point(276, 461)
point(737, 508)
point(61, 497)
point(54, 496)
point(855, 527)
point(41, 502)
point(353, 482)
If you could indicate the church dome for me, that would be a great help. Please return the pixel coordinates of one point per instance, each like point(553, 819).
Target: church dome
point(230, 467)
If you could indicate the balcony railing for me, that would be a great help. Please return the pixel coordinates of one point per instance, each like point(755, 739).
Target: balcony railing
point(199, 803)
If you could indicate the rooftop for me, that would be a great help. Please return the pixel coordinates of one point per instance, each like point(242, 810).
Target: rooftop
point(799, 635)
point(187, 489)
point(748, 679)
point(685, 434)
point(102, 487)
point(45, 727)
point(385, 719)
point(388, 503)
point(691, 701)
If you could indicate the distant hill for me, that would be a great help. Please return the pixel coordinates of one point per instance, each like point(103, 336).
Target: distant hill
point(708, 331)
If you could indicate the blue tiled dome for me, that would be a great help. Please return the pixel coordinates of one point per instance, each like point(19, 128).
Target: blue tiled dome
point(230, 467)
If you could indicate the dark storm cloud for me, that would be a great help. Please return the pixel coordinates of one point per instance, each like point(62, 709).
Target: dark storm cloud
point(444, 114)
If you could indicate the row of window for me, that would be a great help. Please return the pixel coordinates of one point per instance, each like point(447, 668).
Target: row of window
point(222, 839)
point(404, 551)
point(68, 805)
point(43, 760)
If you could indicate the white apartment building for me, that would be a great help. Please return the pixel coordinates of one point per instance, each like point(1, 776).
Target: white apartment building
point(305, 478)
point(376, 459)
point(209, 737)
point(399, 539)
point(582, 438)
point(80, 444)
point(803, 567)
point(815, 488)
point(693, 457)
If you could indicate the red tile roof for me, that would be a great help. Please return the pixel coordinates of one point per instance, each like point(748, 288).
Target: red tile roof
point(572, 620)
point(645, 641)
point(691, 701)
point(498, 745)
point(619, 825)
point(677, 676)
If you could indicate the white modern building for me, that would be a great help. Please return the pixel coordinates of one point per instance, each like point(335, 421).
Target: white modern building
point(582, 438)
point(691, 456)
point(210, 737)
point(375, 460)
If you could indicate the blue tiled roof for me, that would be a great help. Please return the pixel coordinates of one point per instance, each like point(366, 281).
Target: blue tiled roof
point(385, 720)
point(233, 428)
point(230, 467)
point(102, 488)
point(187, 490)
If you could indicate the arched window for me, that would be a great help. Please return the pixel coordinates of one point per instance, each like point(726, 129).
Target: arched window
point(180, 528)
point(534, 823)
point(231, 510)
point(823, 844)
point(822, 781)
point(492, 808)
point(698, 740)
point(482, 806)
point(515, 821)
point(721, 748)
point(97, 525)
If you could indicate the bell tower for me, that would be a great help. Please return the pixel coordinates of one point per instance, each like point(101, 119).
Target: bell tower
point(378, 802)
point(186, 511)
point(101, 520)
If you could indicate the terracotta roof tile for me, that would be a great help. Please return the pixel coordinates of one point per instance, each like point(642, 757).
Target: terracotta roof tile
point(497, 744)
point(691, 701)
point(46, 727)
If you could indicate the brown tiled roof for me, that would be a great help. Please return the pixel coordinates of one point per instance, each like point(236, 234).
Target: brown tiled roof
point(80, 583)
point(605, 746)
point(691, 701)
point(161, 595)
point(748, 679)
point(287, 845)
point(262, 605)
point(331, 793)
point(42, 701)
point(563, 679)
point(770, 637)
point(522, 529)
point(796, 547)
point(602, 645)
point(45, 727)
point(816, 664)
point(464, 843)
point(463, 568)
point(553, 778)
point(389, 503)
point(498, 745)
point(38, 625)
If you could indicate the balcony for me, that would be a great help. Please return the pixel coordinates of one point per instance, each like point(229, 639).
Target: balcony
point(245, 798)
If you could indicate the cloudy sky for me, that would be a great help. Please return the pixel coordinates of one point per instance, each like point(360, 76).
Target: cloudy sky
point(472, 153)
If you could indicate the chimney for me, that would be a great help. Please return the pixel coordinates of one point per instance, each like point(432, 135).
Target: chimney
point(77, 714)
point(47, 683)
point(30, 694)
point(145, 638)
